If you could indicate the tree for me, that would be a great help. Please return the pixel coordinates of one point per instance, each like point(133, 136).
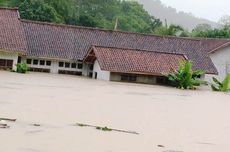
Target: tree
point(205, 30)
point(185, 77)
point(202, 30)
point(225, 21)
point(131, 16)
point(26, 11)
point(40, 11)
point(221, 86)
point(202, 27)
point(173, 30)
point(22, 68)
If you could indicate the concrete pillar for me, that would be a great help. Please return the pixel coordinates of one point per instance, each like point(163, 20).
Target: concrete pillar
point(54, 67)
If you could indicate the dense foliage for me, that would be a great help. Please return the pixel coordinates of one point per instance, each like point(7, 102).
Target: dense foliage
point(207, 31)
point(221, 86)
point(22, 68)
point(172, 30)
point(125, 15)
point(128, 15)
point(185, 77)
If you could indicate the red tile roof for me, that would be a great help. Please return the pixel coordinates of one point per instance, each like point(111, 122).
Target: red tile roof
point(134, 61)
point(73, 42)
point(50, 40)
point(213, 45)
point(12, 37)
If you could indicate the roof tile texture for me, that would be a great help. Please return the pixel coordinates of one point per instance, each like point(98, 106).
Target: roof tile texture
point(48, 40)
point(11, 32)
point(70, 42)
point(136, 61)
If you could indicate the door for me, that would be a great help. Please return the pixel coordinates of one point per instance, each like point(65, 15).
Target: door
point(6, 64)
point(95, 75)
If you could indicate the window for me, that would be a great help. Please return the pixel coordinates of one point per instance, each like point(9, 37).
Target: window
point(73, 65)
point(39, 70)
point(69, 72)
point(6, 64)
point(129, 78)
point(2, 62)
point(35, 62)
point(61, 64)
point(9, 63)
point(28, 61)
point(79, 66)
point(19, 59)
point(48, 63)
point(91, 67)
point(67, 65)
point(161, 80)
point(42, 62)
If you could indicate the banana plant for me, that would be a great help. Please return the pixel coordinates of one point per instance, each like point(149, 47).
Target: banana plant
point(221, 86)
point(185, 77)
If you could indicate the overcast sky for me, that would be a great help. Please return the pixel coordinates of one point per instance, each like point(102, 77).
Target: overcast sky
point(210, 9)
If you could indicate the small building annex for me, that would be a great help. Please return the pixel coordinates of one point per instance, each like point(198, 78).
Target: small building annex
point(120, 64)
point(102, 54)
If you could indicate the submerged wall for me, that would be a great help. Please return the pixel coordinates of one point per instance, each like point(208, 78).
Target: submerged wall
point(54, 66)
point(10, 56)
point(100, 74)
point(221, 60)
point(145, 79)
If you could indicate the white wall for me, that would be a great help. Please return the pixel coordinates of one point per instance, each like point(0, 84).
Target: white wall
point(87, 70)
point(54, 65)
point(101, 75)
point(10, 56)
point(221, 60)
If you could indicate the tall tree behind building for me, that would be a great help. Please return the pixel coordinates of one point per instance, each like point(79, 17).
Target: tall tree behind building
point(93, 13)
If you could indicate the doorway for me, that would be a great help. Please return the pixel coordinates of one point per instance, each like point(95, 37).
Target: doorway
point(95, 75)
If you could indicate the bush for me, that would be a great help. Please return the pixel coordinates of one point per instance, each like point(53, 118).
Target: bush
point(185, 77)
point(22, 68)
point(221, 86)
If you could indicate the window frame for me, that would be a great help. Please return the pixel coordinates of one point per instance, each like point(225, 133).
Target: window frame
point(67, 65)
point(61, 64)
point(80, 66)
point(35, 60)
point(48, 61)
point(29, 62)
point(42, 62)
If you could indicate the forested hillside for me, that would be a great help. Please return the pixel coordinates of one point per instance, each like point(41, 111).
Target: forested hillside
point(124, 15)
point(127, 15)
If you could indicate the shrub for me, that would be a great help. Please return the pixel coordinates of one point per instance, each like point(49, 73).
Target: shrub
point(22, 68)
point(221, 86)
point(185, 77)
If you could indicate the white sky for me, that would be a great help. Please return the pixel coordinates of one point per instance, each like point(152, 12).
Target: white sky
point(209, 9)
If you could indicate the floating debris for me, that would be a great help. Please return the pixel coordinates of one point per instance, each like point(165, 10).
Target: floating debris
point(4, 126)
point(162, 146)
point(105, 128)
point(81, 125)
point(7, 119)
point(36, 125)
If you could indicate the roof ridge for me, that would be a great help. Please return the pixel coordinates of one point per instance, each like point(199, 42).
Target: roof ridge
point(207, 38)
point(143, 50)
point(107, 30)
point(9, 8)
